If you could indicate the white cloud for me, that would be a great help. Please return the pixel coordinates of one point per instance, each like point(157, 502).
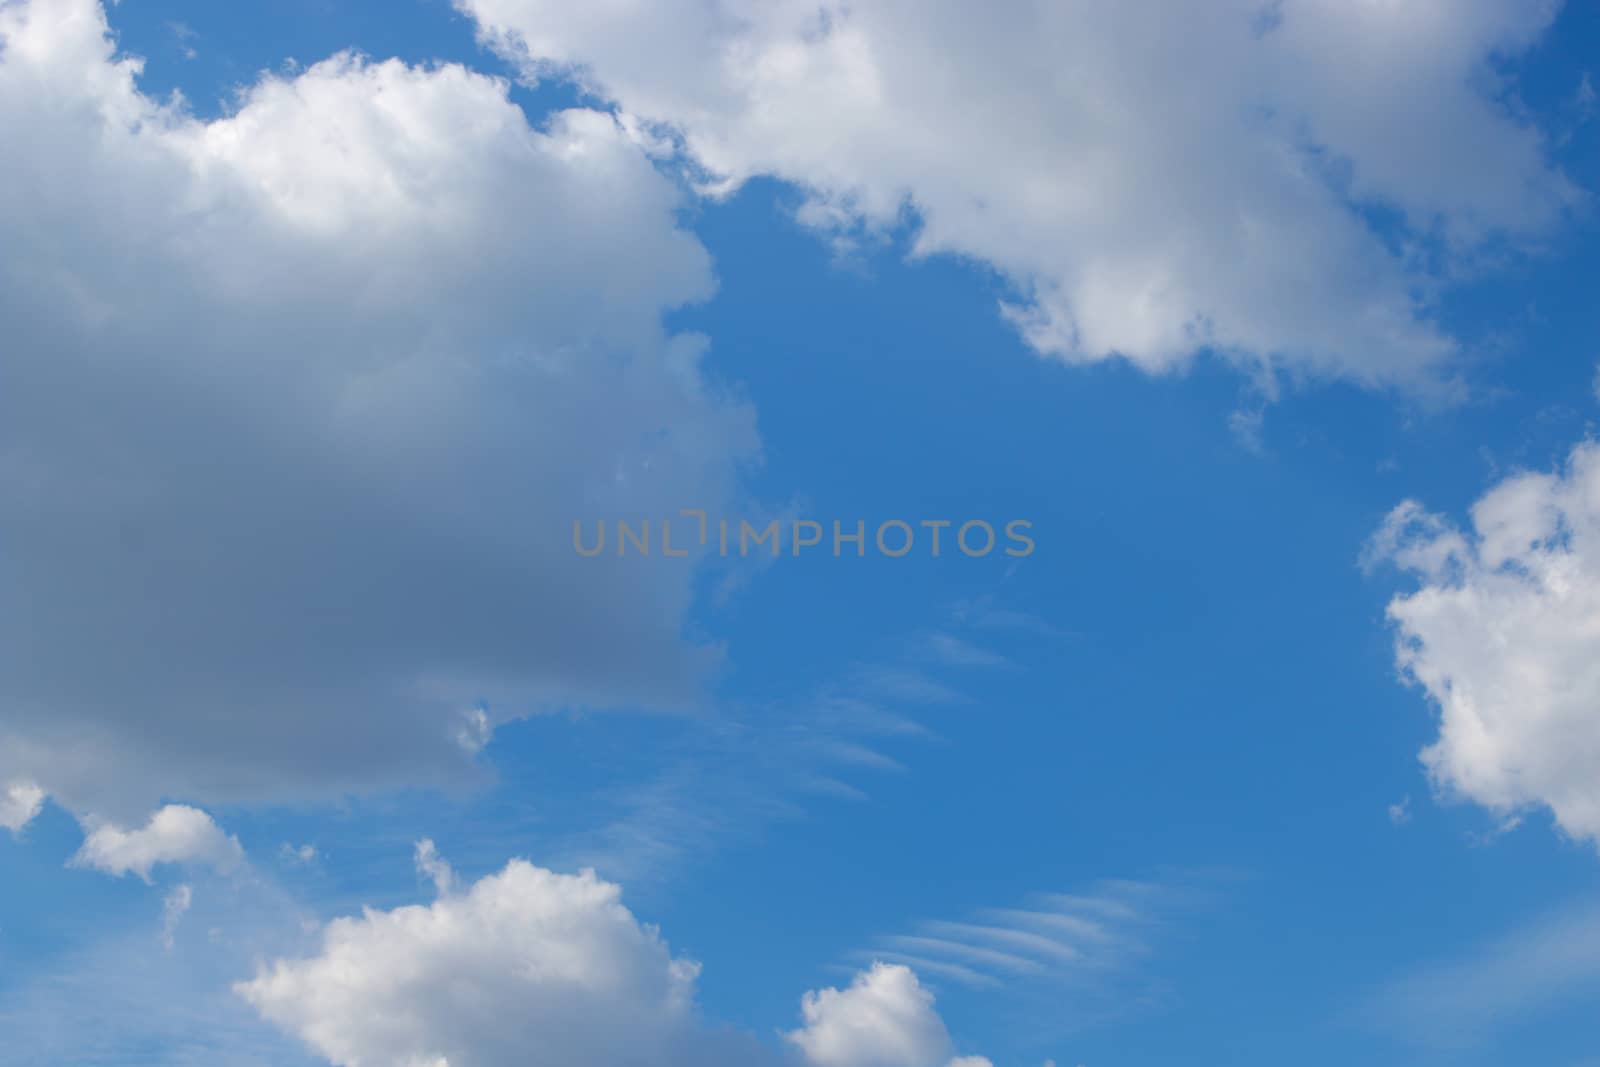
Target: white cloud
point(175, 834)
point(1504, 636)
point(1152, 178)
point(884, 1019)
point(531, 968)
point(300, 406)
point(526, 967)
point(20, 804)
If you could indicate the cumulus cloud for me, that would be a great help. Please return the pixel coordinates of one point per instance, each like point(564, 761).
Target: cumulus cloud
point(1152, 178)
point(175, 834)
point(529, 967)
point(525, 967)
point(1503, 634)
point(884, 1019)
point(297, 409)
point(20, 804)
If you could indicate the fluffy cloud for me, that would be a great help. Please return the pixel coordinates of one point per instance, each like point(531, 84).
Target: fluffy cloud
point(20, 804)
point(531, 968)
point(297, 410)
point(1153, 178)
point(526, 967)
point(1504, 635)
point(885, 1019)
point(175, 834)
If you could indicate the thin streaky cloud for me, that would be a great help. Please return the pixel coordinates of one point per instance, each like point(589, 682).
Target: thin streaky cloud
point(1063, 960)
point(983, 615)
point(745, 768)
point(865, 717)
point(823, 785)
point(953, 651)
point(750, 767)
point(1057, 939)
point(852, 754)
point(1071, 925)
point(1528, 972)
point(1018, 940)
point(978, 954)
point(1097, 905)
point(898, 683)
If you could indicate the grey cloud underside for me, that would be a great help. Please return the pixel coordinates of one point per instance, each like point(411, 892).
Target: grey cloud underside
point(297, 408)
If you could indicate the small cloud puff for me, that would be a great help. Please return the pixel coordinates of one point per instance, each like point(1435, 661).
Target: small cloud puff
point(175, 834)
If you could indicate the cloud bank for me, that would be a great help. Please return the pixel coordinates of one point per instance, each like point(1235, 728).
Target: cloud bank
point(1151, 179)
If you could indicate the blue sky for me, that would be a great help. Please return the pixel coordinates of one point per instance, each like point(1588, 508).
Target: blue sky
point(312, 371)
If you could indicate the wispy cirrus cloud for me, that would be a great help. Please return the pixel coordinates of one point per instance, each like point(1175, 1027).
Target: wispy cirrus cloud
point(1054, 963)
point(1051, 937)
point(953, 651)
point(724, 778)
point(1547, 963)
